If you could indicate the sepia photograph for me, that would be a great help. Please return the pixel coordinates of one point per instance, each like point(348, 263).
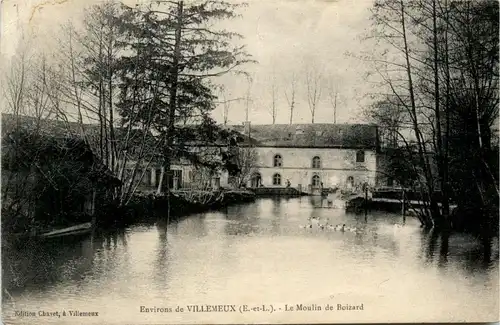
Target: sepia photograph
point(249, 162)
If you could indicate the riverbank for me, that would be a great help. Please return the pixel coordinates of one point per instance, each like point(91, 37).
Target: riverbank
point(277, 191)
point(460, 219)
point(143, 206)
point(178, 204)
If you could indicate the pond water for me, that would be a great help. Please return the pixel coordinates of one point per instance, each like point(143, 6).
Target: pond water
point(255, 254)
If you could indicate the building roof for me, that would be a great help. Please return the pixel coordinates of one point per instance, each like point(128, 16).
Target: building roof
point(64, 129)
point(55, 139)
point(57, 128)
point(318, 135)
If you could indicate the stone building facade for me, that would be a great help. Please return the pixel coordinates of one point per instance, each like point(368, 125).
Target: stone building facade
point(309, 169)
point(303, 156)
point(311, 156)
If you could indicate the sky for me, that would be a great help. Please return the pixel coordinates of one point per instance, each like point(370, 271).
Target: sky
point(285, 37)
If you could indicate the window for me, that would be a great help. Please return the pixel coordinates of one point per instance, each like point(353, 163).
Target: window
point(390, 181)
point(276, 179)
point(278, 161)
point(316, 180)
point(360, 156)
point(316, 163)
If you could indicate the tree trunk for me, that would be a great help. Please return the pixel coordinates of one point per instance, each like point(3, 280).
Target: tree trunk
point(439, 139)
point(174, 79)
point(445, 201)
point(413, 110)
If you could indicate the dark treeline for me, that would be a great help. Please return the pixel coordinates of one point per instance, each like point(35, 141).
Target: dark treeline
point(136, 84)
point(437, 63)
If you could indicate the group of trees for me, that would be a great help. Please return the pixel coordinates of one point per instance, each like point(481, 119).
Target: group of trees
point(319, 88)
point(49, 180)
point(138, 84)
point(309, 88)
point(438, 71)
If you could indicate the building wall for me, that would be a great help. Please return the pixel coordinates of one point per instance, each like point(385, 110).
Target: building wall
point(336, 166)
point(184, 175)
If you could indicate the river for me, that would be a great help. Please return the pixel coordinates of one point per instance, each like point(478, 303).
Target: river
point(255, 254)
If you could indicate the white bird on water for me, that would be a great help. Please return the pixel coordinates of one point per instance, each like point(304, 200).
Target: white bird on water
point(339, 228)
point(313, 220)
point(321, 226)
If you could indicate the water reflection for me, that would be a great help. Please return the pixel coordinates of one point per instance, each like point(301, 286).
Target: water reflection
point(162, 261)
point(443, 251)
point(40, 264)
point(258, 248)
point(316, 201)
point(467, 251)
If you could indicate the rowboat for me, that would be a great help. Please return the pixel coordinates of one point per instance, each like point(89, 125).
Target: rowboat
point(73, 230)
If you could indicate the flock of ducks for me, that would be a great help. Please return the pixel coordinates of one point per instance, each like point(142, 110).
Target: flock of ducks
point(328, 226)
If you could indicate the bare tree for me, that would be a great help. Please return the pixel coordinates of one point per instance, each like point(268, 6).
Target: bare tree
point(32, 97)
point(90, 60)
point(290, 93)
point(226, 104)
point(246, 160)
point(225, 100)
point(313, 80)
point(333, 94)
point(434, 51)
point(248, 96)
point(273, 109)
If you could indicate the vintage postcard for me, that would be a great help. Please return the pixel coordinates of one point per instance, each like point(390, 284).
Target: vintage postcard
point(267, 161)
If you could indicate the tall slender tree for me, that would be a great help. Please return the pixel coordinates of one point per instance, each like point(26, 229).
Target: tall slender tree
point(313, 82)
point(290, 93)
point(273, 110)
point(431, 54)
point(183, 54)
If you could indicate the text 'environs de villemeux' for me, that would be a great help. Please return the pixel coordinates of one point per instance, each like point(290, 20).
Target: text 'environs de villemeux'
point(234, 308)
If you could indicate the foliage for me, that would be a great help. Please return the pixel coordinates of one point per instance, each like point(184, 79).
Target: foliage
point(147, 74)
point(246, 162)
point(167, 79)
point(437, 63)
point(45, 179)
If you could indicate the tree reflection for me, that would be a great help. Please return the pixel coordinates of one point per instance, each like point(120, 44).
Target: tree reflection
point(162, 227)
point(243, 220)
point(162, 259)
point(443, 251)
point(39, 263)
point(316, 201)
point(466, 250)
point(433, 236)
